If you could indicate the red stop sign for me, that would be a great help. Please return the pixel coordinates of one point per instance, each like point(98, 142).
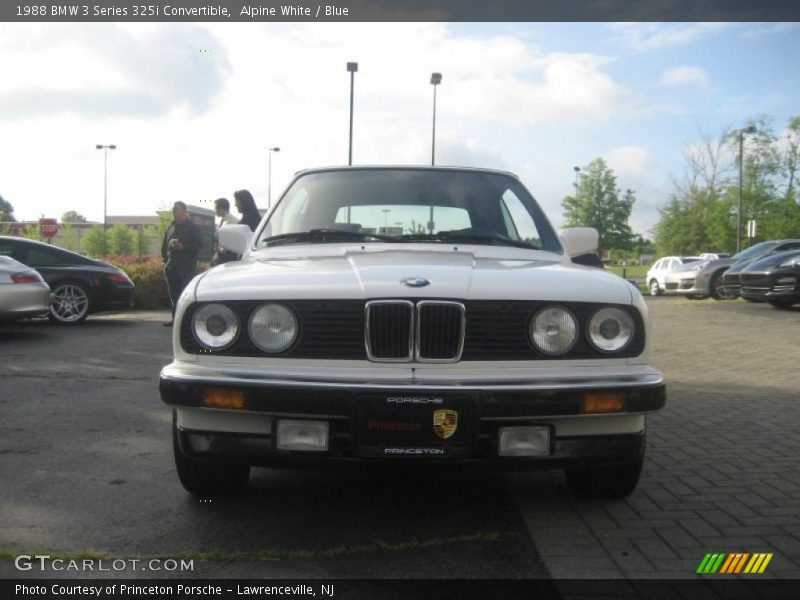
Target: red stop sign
point(48, 227)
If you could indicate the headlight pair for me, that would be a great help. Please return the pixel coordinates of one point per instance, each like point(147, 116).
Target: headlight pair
point(554, 330)
point(271, 327)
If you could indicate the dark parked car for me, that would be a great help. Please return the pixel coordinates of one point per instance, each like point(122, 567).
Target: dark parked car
point(731, 283)
point(80, 286)
point(774, 279)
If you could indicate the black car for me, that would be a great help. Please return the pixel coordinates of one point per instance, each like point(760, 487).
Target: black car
point(731, 282)
point(80, 286)
point(774, 279)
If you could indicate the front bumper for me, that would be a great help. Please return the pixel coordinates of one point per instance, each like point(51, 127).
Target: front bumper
point(779, 287)
point(688, 285)
point(247, 435)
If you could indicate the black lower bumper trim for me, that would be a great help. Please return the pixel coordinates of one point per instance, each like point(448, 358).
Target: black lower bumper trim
point(259, 450)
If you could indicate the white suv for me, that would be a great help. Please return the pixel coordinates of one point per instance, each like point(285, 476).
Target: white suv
point(656, 276)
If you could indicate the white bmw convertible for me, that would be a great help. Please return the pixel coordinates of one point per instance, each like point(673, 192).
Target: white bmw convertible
point(409, 315)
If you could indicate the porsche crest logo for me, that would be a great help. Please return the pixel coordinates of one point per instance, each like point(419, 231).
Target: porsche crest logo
point(445, 422)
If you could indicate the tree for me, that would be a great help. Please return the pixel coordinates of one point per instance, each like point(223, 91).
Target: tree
point(791, 156)
point(701, 214)
point(121, 240)
point(95, 242)
point(597, 203)
point(69, 237)
point(6, 211)
point(72, 217)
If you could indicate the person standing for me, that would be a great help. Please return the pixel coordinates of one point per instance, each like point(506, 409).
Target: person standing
point(179, 251)
point(246, 205)
point(222, 209)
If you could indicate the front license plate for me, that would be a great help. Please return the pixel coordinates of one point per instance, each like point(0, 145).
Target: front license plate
point(415, 426)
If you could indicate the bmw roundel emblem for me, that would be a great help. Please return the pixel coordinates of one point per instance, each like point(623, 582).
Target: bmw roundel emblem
point(415, 282)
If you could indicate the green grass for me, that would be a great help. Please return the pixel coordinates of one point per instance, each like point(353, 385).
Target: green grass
point(631, 272)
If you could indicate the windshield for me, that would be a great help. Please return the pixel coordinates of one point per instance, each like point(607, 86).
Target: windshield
point(408, 205)
point(756, 250)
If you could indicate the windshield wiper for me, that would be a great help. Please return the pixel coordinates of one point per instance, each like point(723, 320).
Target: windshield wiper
point(466, 237)
point(321, 236)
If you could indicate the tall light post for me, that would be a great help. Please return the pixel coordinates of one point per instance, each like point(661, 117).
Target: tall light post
point(386, 212)
point(352, 67)
point(105, 150)
point(577, 170)
point(749, 129)
point(269, 174)
point(436, 79)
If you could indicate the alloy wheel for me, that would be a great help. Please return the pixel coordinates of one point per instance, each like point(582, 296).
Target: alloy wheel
point(69, 303)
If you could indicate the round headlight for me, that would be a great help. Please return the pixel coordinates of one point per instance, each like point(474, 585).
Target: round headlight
point(273, 328)
point(554, 330)
point(610, 329)
point(215, 326)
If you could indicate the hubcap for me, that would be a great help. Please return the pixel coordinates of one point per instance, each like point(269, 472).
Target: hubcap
point(69, 303)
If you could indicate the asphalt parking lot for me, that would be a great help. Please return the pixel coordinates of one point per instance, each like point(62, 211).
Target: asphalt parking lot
point(85, 444)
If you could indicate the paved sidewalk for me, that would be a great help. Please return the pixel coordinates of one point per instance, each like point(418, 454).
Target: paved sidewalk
point(723, 461)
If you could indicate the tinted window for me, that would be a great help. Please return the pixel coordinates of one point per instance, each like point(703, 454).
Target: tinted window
point(41, 256)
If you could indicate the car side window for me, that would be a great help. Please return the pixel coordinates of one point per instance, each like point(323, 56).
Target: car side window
point(46, 257)
point(5, 248)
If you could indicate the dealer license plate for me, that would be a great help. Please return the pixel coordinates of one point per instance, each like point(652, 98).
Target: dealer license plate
point(400, 425)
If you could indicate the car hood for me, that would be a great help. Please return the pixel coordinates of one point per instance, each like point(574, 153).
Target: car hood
point(773, 260)
point(354, 273)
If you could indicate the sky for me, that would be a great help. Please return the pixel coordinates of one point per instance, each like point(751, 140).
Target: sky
point(193, 107)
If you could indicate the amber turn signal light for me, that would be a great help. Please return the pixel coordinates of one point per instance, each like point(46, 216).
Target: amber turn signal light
point(223, 398)
point(603, 402)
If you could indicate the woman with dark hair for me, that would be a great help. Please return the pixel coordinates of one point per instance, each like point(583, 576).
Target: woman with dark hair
point(246, 205)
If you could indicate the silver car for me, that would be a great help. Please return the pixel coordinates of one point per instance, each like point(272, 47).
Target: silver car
point(701, 280)
point(23, 292)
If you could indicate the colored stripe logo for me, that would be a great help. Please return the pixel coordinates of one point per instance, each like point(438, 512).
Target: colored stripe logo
point(734, 563)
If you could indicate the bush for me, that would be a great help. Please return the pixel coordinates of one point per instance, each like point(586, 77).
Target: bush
point(147, 275)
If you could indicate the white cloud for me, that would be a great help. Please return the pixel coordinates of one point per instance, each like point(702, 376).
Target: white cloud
point(629, 161)
point(686, 75)
point(648, 37)
point(754, 30)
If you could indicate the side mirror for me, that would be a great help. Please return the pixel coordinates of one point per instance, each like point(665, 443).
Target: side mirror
point(579, 240)
point(235, 238)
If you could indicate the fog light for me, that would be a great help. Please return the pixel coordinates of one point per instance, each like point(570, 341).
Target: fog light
point(603, 402)
point(199, 442)
point(524, 441)
point(309, 436)
point(223, 398)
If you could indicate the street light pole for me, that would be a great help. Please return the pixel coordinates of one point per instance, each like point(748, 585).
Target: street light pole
point(105, 150)
point(436, 79)
point(750, 129)
point(269, 174)
point(352, 67)
point(577, 170)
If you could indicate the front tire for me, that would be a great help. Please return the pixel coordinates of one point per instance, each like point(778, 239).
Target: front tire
point(604, 482)
point(69, 303)
point(717, 290)
point(206, 479)
point(655, 289)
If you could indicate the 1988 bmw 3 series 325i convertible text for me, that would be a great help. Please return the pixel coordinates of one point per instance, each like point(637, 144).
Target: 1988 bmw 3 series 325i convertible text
point(410, 314)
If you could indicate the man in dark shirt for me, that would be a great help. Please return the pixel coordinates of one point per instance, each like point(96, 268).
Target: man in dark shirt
point(179, 252)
